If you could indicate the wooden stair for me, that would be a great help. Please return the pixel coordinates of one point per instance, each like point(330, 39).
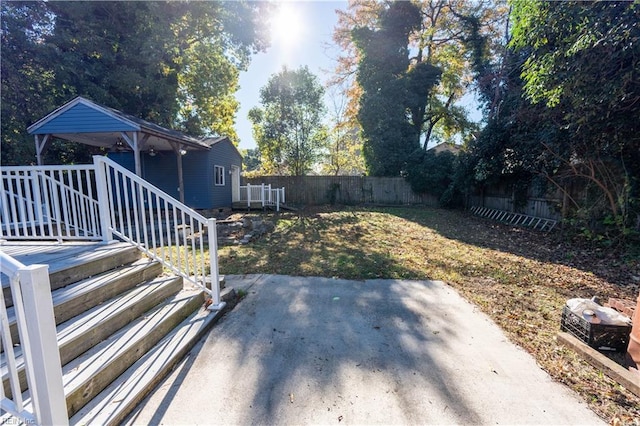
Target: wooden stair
point(121, 327)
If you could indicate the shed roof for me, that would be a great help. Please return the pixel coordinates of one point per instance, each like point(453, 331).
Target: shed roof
point(87, 122)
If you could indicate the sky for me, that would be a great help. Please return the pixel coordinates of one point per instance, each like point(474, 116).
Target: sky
point(301, 35)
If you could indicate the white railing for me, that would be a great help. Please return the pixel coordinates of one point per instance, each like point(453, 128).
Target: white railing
point(49, 202)
point(159, 225)
point(104, 201)
point(263, 195)
point(33, 310)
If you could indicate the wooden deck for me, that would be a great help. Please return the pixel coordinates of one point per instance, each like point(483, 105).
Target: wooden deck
point(59, 256)
point(257, 205)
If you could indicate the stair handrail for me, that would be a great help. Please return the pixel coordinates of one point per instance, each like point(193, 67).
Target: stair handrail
point(138, 212)
point(31, 292)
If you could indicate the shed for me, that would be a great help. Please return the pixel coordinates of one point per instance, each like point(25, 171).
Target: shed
point(211, 177)
point(177, 163)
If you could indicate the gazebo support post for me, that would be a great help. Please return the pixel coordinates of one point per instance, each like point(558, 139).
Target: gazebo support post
point(133, 144)
point(136, 151)
point(40, 145)
point(177, 148)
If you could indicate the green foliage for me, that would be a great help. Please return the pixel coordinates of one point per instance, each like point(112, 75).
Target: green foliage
point(435, 174)
point(251, 159)
point(389, 138)
point(172, 63)
point(344, 142)
point(288, 128)
point(562, 107)
point(584, 67)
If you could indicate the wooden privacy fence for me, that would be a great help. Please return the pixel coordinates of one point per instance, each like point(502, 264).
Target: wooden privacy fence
point(319, 190)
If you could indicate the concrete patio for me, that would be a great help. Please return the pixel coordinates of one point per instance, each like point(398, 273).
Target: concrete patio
point(329, 351)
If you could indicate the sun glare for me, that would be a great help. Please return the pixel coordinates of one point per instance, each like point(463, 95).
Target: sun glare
point(286, 24)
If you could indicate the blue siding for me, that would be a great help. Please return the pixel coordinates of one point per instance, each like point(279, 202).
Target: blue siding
point(223, 154)
point(83, 119)
point(197, 190)
point(197, 171)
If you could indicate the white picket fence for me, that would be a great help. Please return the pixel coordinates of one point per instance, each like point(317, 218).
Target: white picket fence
point(262, 194)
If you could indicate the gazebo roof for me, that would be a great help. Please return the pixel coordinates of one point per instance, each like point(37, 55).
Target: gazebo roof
point(87, 122)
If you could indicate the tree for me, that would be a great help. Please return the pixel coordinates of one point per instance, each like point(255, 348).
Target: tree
point(344, 144)
point(583, 66)
point(389, 138)
point(27, 83)
point(560, 106)
point(438, 42)
point(251, 160)
point(172, 63)
point(288, 128)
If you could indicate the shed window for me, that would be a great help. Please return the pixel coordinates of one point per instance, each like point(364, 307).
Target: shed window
point(219, 175)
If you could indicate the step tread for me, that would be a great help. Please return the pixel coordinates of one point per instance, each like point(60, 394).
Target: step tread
point(99, 252)
point(90, 284)
point(80, 374)
point(116, 401)
point(74, 329)
point(90, 263)
point(79, 324)
point(82, 288)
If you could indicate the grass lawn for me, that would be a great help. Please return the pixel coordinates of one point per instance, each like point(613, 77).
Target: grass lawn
point(519, 278)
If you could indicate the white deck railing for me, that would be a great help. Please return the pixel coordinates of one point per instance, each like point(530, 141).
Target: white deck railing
point(33, 311)
point(263, 195)
point(49, 202)
point(104, 201)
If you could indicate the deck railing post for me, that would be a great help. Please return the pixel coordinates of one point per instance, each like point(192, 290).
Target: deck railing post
point(103, 198)
point(262, 195)
point(248, 195)
point(212, 232)
point(37, 205)
point(277, 200)
point(41, 347)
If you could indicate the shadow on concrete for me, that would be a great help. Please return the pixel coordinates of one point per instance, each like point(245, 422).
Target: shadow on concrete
point(313, 350)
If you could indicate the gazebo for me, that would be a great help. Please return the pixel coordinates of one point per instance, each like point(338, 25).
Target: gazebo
point(86, 122)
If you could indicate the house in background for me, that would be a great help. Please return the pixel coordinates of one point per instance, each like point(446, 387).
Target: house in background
point(203, 174)
point(446, 147)
point(211, 177)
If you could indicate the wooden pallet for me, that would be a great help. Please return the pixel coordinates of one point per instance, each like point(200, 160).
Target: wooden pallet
point(517, 219)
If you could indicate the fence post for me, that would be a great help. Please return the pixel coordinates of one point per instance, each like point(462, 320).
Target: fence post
point(103, 198)
point(41, 346)
point(283, 200)
point(277, 200)
point(262, 195)
point(212, 233)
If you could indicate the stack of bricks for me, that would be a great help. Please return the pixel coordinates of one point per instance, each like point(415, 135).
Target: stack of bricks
point(625, 306)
